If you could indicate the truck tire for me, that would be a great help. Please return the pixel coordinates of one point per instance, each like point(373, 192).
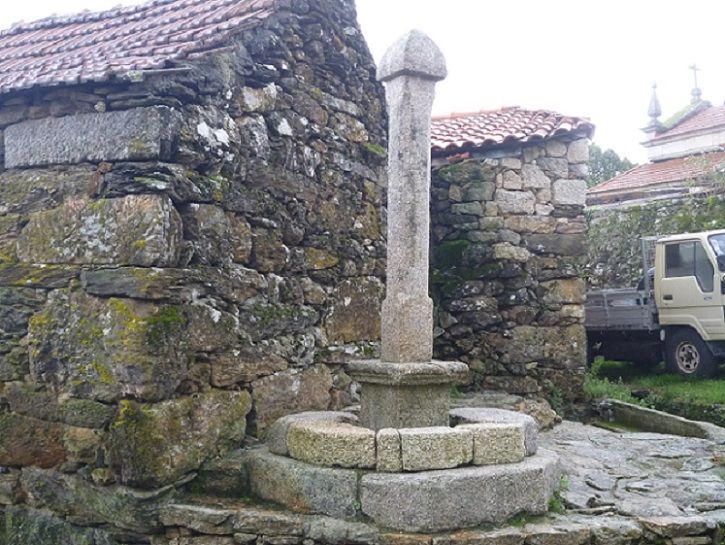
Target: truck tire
point(687, 354)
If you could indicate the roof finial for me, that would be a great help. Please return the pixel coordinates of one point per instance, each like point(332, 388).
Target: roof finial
point(696, 92)
point(654, 110)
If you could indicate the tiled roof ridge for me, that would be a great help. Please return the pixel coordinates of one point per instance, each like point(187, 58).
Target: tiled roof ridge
point(706, 114)
point(97, 46)
point(511, 124)
point(86, 16)
point(683, 115)
point(662, 172)
point(459, 115)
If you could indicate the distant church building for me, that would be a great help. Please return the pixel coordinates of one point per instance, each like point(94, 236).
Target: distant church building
point(685, 152)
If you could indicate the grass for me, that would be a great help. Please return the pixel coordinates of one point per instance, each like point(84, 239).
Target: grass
point(690, 397)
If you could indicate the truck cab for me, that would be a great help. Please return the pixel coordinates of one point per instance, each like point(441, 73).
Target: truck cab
point(677, 311)
point(689, 291)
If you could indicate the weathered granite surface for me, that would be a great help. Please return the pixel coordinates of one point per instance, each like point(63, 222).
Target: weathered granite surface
point(496, 442)
point(302, 487)
point(276, 436)
point(330, 443)
point(473, 415)
point(409, 69)
point(135, 135)
point(433, 501)
point(435, 448)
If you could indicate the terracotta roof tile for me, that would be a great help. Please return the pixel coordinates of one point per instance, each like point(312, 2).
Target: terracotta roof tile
point(97, 46)
point(456, 132)
point(711, 117)
point(662, 173)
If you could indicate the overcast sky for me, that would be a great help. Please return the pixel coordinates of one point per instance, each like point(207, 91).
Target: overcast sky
point(584, 58)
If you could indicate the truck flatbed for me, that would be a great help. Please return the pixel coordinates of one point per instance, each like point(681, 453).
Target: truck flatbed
point(623, 309)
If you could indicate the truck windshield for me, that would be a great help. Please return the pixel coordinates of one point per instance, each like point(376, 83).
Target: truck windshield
point(717, 242)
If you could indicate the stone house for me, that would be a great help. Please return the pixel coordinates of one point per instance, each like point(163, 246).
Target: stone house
point(190, 236)
point(508, 234)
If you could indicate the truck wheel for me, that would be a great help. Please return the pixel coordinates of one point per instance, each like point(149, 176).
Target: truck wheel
point(687, 354)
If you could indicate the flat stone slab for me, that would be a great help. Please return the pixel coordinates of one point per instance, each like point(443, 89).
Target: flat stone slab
point(408, 374)
point(435, 448)
point(474, 415)
point(276, 436)
point(660, 422)
point(331, 444)
point(496, 443)
point(130, 135)
point(434, 501)
point(622, 487)
point(302, 487)
point(209, 522)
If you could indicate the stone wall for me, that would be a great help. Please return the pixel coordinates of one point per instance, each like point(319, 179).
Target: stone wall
point(614, 258)
point(185, 258)
point(508, 233)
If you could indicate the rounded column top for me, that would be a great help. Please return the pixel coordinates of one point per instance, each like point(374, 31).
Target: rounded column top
point(413, 54)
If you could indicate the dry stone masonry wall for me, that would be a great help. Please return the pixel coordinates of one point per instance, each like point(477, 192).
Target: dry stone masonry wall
point(508, 237)
point(183, 259)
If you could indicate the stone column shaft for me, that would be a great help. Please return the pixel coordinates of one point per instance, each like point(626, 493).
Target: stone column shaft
point(410, 70)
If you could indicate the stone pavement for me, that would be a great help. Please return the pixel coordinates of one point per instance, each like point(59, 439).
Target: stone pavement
point(638, 474)
point(622, 489)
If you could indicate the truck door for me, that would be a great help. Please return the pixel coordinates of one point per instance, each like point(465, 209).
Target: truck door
point(686, 294)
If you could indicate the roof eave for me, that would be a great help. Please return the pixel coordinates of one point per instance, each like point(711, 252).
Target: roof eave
point(581, 132)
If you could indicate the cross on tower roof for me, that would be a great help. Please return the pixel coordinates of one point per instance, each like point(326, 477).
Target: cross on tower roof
point(696, 92)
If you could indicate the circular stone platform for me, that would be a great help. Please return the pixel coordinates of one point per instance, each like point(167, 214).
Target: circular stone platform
point(483, 470)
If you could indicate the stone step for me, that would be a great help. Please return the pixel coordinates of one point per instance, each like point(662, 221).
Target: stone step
point(416, 501)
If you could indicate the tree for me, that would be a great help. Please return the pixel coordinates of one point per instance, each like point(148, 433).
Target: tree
point(605, 165)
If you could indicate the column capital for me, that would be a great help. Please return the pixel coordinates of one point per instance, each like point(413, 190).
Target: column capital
point(413, 54)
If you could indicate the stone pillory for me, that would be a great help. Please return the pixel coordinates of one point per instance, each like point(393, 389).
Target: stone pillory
point(488, 467)
point(405, 388)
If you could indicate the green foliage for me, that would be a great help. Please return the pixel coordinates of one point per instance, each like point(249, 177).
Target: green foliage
point(596, 388)
point(614, 256)
point(375, 149)
point(465, 172)
point(556, 502)
point(605, 165)
point(518, 521)
point(556, 399)
point(162, 324)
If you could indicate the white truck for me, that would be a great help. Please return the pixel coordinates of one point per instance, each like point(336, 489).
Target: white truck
point(677, 311)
